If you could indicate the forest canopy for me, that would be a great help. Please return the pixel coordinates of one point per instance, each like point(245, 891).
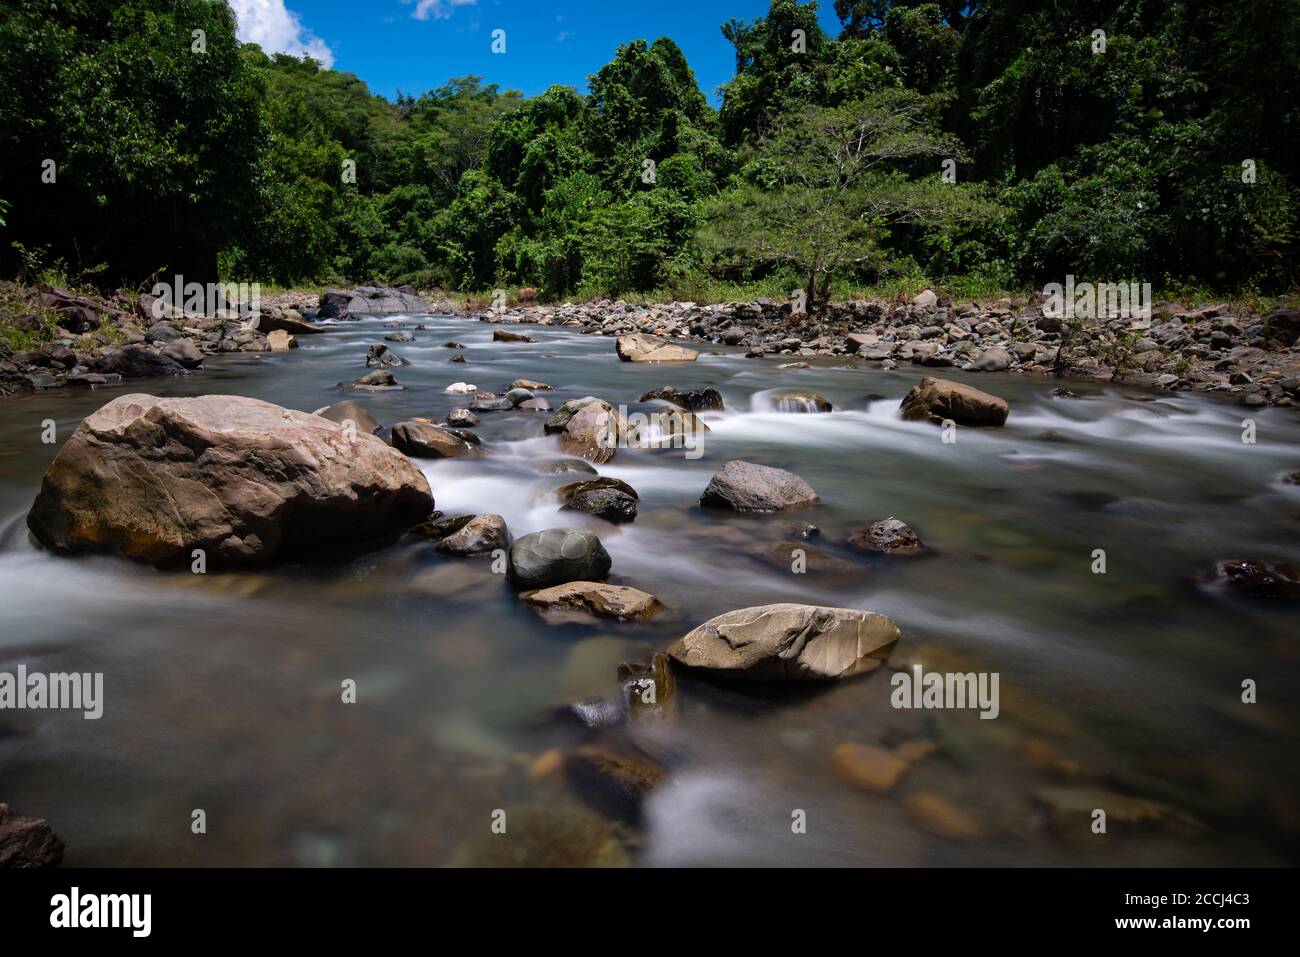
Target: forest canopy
point(1012, 141)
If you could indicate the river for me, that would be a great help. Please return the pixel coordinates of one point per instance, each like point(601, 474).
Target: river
point(222, 691)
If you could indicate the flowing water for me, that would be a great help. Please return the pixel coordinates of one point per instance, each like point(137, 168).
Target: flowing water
point(222, 691)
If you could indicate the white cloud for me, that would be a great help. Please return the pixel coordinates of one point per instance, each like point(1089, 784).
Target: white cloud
point(437, 9)
point(276, 29)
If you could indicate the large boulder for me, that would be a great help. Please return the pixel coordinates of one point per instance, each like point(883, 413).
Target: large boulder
point(640, 347)
point(746, 487)
point(557, 556)
point(428, 441)
point(335, 303)
point(936, 400)
point(243, 480)
point(788, 642)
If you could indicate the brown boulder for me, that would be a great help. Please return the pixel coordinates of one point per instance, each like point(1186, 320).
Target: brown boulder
point(243, 480)
point(936, 400)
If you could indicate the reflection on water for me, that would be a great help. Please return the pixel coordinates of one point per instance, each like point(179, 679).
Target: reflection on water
point(223, 691)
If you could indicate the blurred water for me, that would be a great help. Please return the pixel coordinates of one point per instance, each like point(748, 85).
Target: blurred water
point(222, 691)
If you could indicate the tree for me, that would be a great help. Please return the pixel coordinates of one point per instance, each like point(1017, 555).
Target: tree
point(831, 182)
point(155, 142)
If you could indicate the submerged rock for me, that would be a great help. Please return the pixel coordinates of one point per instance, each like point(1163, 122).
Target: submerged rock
point(563, 466)
point(27, 842)
point(595, 598)
point(746, 487)
point(1258, 579)
point(799, 401)
point(935, 400)
point(888, 535)
point(614, 782)
point(554, 837)
point(788, 642)
point(243, 480)
point(556, 556)
point(640, 347)
point(532, 385)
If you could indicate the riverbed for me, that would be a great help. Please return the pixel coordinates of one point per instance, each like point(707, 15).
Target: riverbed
point(222, 691)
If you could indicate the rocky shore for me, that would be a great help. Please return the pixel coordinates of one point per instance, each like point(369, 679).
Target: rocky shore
point(88, 339)
point(1211, 348)
point(1217, 349)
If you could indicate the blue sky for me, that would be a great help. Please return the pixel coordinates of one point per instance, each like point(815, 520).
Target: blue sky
point(415, 45)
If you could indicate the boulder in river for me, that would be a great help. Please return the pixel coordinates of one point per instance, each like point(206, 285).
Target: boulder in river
point(640, 347)
point(462, 419)
point(936, 400)
point(608, 498)
point(504, 335)
point(788, 642)
point(244, 480)
point(281, 341)
point(693, 400)
point(747, 487)
point(384, 357)
point(379, 380)
point(888, 535)
point(799, 401)
point(589, 427)
point(349, 411)
point(465, 534)
point(595, 598)
point(428, 441)
point(532, 385)
point(556, 556)
point(27, 842)
point(613, 782)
